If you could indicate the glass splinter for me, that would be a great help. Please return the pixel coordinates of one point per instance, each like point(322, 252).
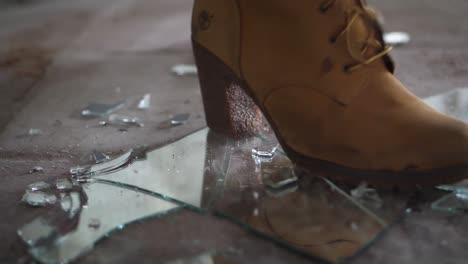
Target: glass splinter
point(98, 110)
point(145, 102)
point(63, 184)
point(184, 69)
point(37, 186)
point(34, 132)
point(125, 121)
point(39, 198)
point(100, 157)
point(36, 169)
point(176, 120)
point(397, 38)
point(265, 152)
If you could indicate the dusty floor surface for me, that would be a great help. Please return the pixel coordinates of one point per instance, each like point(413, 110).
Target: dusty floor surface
point(57, 56)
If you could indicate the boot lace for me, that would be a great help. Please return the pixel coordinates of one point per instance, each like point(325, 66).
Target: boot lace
point(369, 43)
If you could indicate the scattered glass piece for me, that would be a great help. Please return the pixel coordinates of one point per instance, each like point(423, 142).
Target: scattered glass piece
point(451, 203)
point(397, 38)
point(78, 171)
point(265, 151)
point(281, 178)
point(38, 229)
point(111, 165)
point(176, 120)
point(125, 121)
point(36, 169)
point(99, 110)
point(63, 184)
point(100, 157)
point(37, 186)
point(184, 69)
point(367, 196)
point(82, 173)
point(145, 102)
point(39, 198)
point(34, 132)
point(455, 202)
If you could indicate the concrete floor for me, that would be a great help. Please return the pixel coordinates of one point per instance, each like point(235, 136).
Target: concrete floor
point(57, 56)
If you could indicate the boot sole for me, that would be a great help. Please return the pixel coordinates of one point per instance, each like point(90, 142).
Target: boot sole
point(232, 109)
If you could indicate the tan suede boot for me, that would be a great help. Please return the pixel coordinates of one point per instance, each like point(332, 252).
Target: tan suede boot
point(320, 72)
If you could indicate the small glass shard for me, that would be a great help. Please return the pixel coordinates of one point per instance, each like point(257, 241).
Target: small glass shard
point(176, 120)
point(78, 171)
point(397, 38)
point(280, 179)
point(111, 165)
point(99, 110)
point(34, 132)
point(451, 203)
point(184, 69)
point(145, 102)
point(125, 121)
point(63, 184)
point(367, 196)
point(38, 229)
point(39, 198)
point(100, 157)
point(268, 151)
point(37, 186)
point(36, 169)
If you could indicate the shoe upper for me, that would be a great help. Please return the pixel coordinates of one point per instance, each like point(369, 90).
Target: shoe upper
point(295, 58)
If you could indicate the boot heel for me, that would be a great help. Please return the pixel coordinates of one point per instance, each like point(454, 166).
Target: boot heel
point(228, 109)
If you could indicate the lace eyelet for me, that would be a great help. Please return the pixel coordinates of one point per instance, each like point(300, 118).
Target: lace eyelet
point(346, 68)
point(332, 39)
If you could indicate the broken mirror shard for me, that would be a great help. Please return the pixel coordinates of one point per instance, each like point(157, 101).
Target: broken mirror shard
point(34, 132)
point(36, 169)
point(454, 103)
point(39, 199)
point(103, 167)
point(280, 179)
point(267, 151)
point(108, 208)
point(177, 120)
point(396, 38)
point(63, 184)
point(366, 195)
point(145, 102)
point(100, 157)
point(122, 121)
point(455, 202)
point(184, 69)
point(99, 110)
point(37, 186)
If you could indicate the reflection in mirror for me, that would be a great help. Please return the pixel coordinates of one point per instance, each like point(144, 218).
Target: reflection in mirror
point(108, 208)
